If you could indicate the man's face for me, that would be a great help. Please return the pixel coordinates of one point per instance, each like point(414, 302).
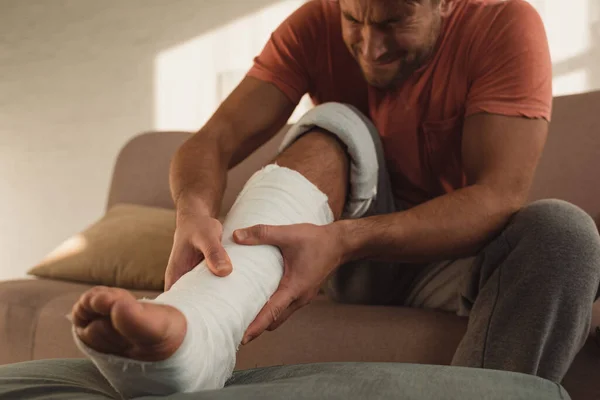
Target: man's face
point(390, 39)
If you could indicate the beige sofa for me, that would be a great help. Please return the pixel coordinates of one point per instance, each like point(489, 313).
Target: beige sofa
point(32, 312)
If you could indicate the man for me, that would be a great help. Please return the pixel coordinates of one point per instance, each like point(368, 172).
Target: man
point(460, 94)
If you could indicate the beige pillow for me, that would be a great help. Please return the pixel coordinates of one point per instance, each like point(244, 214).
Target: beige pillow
point(129, 248)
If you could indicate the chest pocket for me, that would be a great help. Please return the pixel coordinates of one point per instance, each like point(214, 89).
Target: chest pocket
point(442, 147)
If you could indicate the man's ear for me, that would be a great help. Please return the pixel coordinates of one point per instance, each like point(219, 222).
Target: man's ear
point(446, 7)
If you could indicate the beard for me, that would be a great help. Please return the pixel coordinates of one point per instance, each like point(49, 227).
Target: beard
point(399, 71)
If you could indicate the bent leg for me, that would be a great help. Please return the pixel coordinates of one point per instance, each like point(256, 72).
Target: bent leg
point(532, 292)
point(308, 184)
point(366, 281)
point(321, 158)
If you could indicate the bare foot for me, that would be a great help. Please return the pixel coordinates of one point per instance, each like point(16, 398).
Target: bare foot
point(112, 321)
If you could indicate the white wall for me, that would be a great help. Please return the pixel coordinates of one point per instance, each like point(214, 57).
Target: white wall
point(573, 29)
point(78, 78)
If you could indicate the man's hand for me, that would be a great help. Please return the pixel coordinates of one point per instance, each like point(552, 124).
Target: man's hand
point(197, 237)
point(310, 254)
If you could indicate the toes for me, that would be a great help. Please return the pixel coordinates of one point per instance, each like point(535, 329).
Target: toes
point(155, 331)
point(112, 321)
point(103, 301)
point(97, 303)
point(102, 336)
point(134, 320)
point(82, 311)
point(146, 322)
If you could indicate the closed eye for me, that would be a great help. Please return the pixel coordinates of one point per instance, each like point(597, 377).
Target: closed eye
point(351, 19)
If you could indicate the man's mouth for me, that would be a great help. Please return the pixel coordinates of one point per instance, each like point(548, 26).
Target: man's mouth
point(381, 63)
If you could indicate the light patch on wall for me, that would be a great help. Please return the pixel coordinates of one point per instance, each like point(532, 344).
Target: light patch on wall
point(540, 6)
point(574, 36)
point(573, 43)
point(193, 78)
point(183, 92)
point(572, 82)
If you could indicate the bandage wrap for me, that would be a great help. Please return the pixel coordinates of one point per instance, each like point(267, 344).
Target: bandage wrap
point(218, 310)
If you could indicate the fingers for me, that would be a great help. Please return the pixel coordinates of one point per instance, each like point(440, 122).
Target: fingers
point(178, 264)
point(261, 234)
point(186, 255)
point(271, 312)
point(172, 275)
point(295, 306)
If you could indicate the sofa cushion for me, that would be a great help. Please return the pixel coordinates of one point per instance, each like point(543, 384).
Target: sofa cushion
point(129, 248)
point(33, 324)
point(33, 318)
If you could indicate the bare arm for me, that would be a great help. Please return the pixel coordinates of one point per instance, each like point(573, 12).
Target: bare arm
point(250, 116)
point(500, 155)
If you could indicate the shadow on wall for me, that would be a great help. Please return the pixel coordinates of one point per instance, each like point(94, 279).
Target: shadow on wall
point(588, 61)
point(76, 84)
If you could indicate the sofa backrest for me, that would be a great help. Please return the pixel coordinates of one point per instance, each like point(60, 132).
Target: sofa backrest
point(569, 169)
point(570, 166)
point(141, 172)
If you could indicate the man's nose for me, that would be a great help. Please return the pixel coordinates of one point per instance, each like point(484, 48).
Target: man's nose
point(373, 45)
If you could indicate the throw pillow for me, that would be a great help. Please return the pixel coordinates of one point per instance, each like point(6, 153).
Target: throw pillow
point(129, 247)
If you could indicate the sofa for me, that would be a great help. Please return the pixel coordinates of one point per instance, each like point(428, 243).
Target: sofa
point(33, 323)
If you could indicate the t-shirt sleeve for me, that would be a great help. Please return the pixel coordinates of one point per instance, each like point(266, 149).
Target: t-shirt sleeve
point(511, 71)
point(288, 58)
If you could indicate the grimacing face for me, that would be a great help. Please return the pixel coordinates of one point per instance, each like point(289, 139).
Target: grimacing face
point(390, 39)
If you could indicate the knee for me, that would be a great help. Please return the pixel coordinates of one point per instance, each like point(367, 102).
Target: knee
point(354, 139)
point(557, 221)
point(565, 235)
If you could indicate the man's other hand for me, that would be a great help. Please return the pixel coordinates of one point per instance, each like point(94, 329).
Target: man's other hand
point(197, 237)
point(310, 254)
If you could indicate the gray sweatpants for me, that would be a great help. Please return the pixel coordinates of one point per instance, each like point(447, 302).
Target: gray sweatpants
point(528, 293)
point(80, 379)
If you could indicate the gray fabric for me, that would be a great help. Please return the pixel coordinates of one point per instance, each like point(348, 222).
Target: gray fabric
point(528, 293)
point(79, 379)
point(531, 292)
point(67, 379)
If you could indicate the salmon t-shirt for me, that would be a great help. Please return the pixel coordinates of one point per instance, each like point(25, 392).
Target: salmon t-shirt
point(492, 56)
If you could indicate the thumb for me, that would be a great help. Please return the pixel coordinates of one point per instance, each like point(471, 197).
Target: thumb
point(216, 257)
point(260, 234)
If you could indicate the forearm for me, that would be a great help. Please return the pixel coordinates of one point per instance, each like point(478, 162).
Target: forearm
point(249, 116)
point(451, 226)
point(199, 168)
point(198, 174)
